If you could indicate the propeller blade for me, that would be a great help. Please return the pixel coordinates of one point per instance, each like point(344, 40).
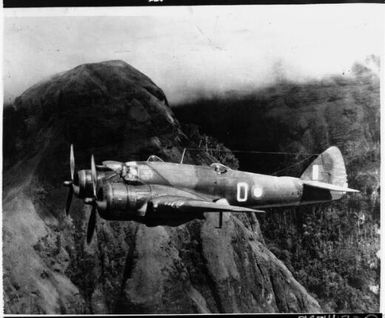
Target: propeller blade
point(91, 225)
point(69, 199)
point(93, 176)
point(72, 162)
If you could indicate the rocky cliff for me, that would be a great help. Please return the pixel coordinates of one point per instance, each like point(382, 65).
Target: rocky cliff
point(115, 112)
point(332, 249)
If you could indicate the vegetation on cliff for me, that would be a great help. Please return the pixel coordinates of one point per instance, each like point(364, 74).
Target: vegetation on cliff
point(331, 248)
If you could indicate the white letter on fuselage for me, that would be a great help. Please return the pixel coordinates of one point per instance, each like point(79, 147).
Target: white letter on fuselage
point(242, 190)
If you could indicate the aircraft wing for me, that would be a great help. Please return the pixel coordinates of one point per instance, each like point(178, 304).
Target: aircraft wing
point(185, 204)
point(327, 186)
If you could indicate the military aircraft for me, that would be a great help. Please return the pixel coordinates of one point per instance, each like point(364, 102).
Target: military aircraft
point(155, 192)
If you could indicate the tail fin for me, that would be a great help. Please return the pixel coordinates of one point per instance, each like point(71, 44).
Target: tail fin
point(328, 167)
point(328, 172)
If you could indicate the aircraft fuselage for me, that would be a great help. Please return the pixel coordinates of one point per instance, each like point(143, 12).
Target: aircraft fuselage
point(237, 187)
point(155, 192)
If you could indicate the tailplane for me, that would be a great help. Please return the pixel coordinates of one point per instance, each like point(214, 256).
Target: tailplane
point(328, 172)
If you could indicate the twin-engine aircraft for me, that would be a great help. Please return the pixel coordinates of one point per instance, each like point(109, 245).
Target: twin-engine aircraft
point(155, 192)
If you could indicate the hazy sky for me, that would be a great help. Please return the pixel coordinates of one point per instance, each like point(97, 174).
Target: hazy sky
point(189, 49)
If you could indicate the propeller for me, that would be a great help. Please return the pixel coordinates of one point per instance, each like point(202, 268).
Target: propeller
point(91, 224)
point(94, 177)
point(70, 184)
point(92, 220)
point(69, 200)
point(72, 162)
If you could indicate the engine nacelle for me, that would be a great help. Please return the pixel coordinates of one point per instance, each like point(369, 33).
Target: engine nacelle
point(123, 197)
point(85, 183)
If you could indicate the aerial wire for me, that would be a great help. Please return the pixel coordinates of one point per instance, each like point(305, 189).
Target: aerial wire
point(257, 152)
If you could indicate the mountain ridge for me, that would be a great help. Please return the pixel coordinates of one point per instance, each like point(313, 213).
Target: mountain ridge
point(118, 113)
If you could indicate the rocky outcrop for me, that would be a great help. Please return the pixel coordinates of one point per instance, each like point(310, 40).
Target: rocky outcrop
point(115, 112)
point(278, 130)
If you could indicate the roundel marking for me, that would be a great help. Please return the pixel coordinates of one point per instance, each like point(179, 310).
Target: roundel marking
point(257, 191)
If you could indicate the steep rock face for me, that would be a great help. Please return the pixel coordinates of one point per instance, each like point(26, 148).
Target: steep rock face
point(331, 248)
point(115, 112)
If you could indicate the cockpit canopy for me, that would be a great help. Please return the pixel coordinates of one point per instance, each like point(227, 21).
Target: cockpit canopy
point(130, 173)
point(154, 158)
point(219, 168)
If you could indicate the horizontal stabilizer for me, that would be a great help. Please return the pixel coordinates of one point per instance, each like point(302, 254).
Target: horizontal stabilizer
point(193, 205)
point(327, 186)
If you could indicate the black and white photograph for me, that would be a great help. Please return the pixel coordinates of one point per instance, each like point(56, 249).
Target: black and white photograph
point(192, 159)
